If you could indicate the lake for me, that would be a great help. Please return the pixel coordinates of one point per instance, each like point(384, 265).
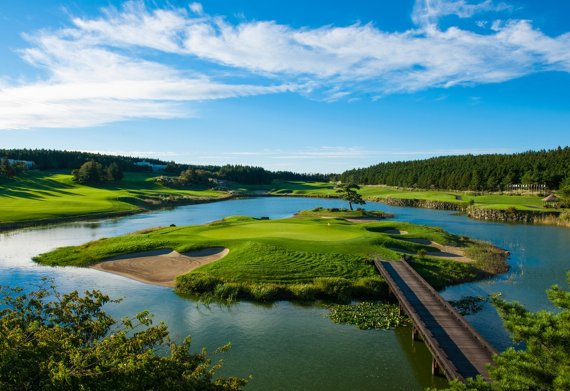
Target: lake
point(287, 346)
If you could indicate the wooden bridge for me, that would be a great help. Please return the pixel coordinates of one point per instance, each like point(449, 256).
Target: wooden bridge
point(458, 350)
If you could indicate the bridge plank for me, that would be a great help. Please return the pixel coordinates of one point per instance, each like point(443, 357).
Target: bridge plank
point(458, 349)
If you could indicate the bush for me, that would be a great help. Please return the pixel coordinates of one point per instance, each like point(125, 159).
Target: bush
point(54, 341)
point(370, 288)
point(197, 283)
point(304, 292)
point(333, 288)
point(228, 292)
point(269, 292)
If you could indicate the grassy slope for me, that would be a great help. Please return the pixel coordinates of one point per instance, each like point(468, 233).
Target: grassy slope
point(47, 195)
point(323, 189)
point(282, 252)
point(38, 196)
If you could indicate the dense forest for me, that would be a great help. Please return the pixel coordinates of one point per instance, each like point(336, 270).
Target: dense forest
point(469, 172)
point(46, 159)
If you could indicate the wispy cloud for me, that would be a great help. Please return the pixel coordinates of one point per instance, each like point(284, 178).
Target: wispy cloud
point(110, 68)
point(428, 12)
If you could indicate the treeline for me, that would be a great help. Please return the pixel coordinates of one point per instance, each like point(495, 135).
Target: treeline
point(491, 172)
point(250, 175)
point(47, 159)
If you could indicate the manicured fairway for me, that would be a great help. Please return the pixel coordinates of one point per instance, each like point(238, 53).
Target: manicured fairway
point(44, 195)
point(324, 189)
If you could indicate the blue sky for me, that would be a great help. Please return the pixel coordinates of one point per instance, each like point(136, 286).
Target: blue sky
point(295, 85)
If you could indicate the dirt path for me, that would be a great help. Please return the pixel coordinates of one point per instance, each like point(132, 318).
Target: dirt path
point(159, 267)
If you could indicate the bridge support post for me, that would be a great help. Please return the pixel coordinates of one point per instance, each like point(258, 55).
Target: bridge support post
point(435, 368)
point(415, 334)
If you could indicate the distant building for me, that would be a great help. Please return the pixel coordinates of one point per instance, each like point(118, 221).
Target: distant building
point(154, 167)
point(27, 163)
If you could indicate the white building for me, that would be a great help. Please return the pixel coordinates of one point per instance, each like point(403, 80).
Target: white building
point(27, 163)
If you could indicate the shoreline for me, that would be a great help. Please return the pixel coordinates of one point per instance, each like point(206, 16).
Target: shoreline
point(13, 226)
point(472, 212)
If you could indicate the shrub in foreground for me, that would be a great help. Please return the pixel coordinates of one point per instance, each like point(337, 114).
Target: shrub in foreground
point(54, 341)
point(544, 363)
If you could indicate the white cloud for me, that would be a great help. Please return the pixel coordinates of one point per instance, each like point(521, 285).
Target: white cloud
point(428, 12)
point(196, 8)
point(113, 67)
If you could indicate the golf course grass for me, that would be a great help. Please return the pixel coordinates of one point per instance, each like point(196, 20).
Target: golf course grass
point(39, 197)
point(302, 258)
point(49, 196)
point(379, 193)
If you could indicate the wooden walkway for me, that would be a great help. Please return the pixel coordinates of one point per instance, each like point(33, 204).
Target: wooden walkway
point(458, 350)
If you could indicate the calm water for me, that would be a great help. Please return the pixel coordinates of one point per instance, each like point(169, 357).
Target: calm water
point(286, 346)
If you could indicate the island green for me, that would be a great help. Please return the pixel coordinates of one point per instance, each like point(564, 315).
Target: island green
point(302, 258)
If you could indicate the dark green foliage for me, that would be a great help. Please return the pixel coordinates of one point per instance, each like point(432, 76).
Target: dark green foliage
point(367, 315)
point(54, 341)
point(114, 172)
point(348, 192)
point(93, 172)
point(199, 283)
point(370, 288)
point(544, 362)
point(195, 176)
point(468, 172)
point(334, 288)
point(90, 172)
point(565, 191)
point(8, 169)
point(340, 290)
point(46, 159)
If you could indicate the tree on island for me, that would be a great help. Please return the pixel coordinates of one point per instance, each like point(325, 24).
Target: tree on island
point(54, 341)
point(348, 192)
point(544, 363)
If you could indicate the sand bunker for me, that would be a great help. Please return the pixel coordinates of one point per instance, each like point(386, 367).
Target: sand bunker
point(365, 219)
point(448, 252)
point(160, 267)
